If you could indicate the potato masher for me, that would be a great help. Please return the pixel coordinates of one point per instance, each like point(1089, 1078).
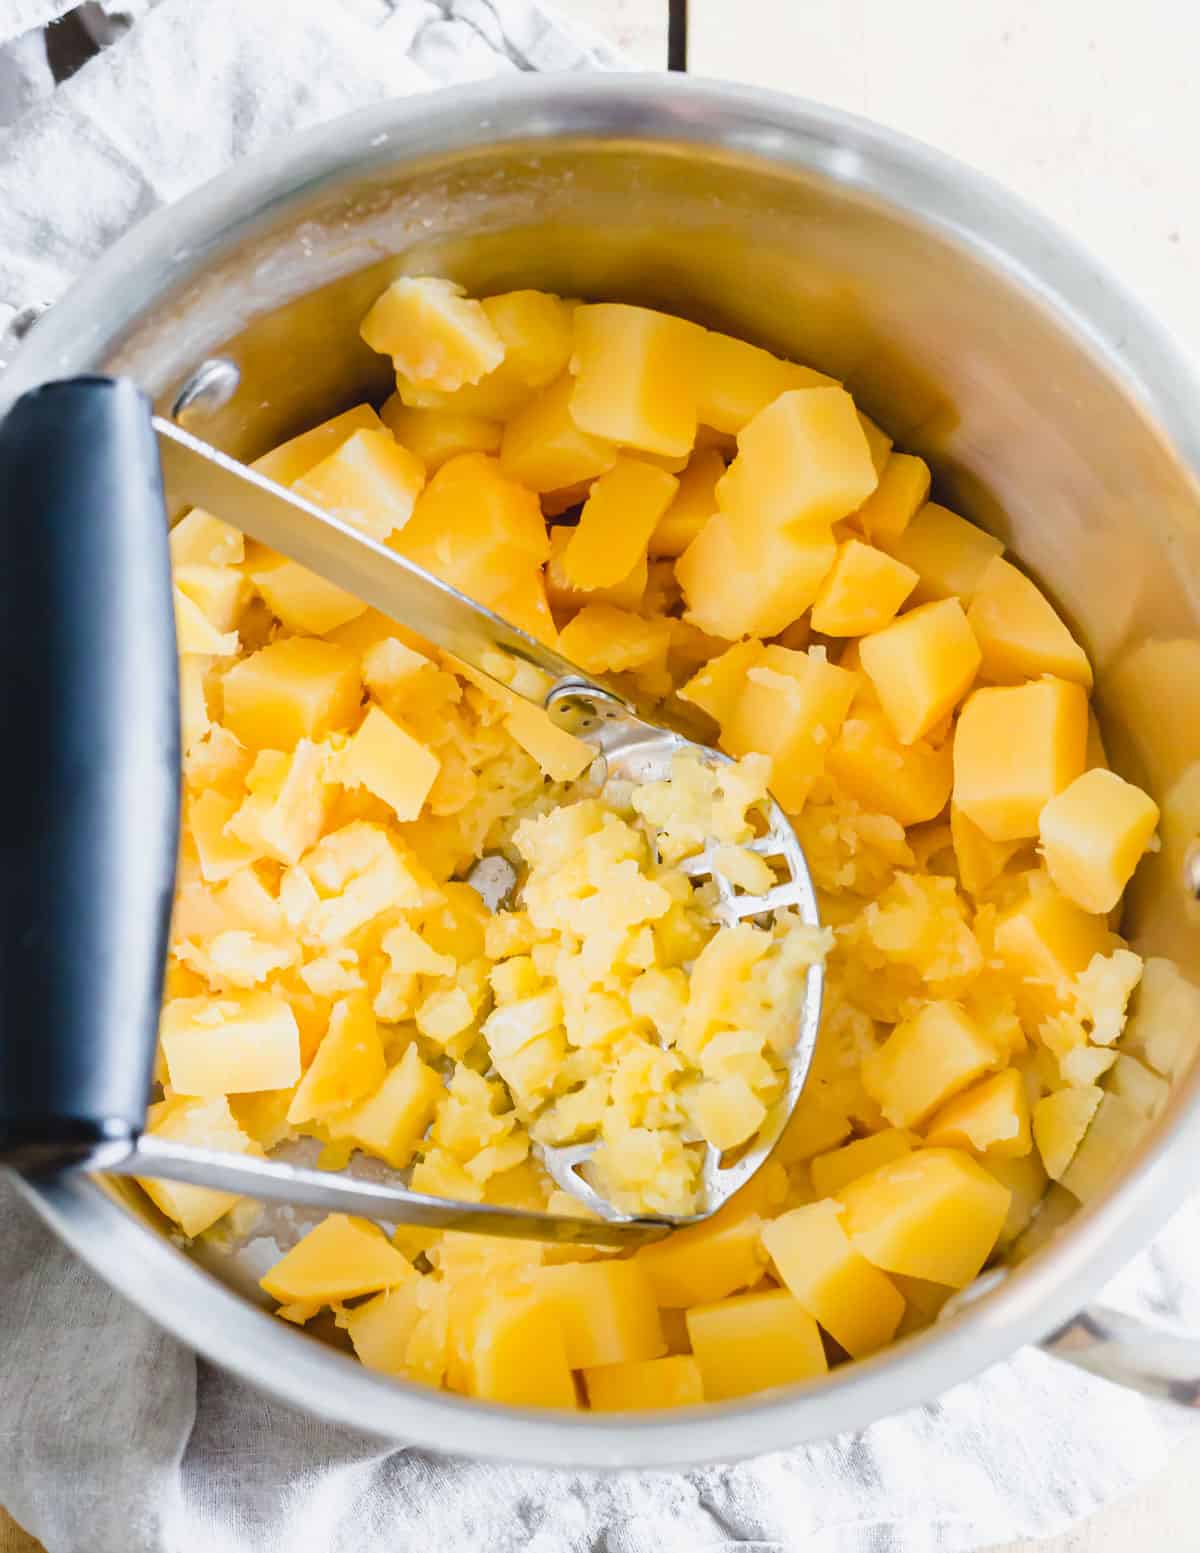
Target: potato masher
point(91, 705)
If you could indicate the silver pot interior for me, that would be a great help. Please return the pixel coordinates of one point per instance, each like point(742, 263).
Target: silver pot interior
point(1044, 404)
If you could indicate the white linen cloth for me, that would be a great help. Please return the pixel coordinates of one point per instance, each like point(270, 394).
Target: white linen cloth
point(113, 1437)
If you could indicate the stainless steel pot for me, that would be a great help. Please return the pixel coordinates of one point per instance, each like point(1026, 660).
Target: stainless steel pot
point(1051, 408)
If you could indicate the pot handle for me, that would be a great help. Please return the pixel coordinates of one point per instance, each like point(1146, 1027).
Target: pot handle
point(1158, 1359)
point(89, 825)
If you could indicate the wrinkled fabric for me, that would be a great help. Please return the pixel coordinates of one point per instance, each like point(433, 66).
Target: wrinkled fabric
point(113, 1437)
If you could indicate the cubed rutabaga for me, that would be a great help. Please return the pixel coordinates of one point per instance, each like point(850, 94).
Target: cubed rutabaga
point(644, 1384)
point(230, 1044)
point(902, 491)
point(752, 1342)
point(301, 600)
point(607, 1311)
point(737, 380)
point(949, 554)
point(1094, 833)
point(292, 460)
point(636, 377)
point(298, 688)
point(921, 666)
point(349, 1063)
point(803, 460)
point(856, 1304)
point(340, 1259)
point(934, 1214)
point(926, 1060)
point(434, 333)
point(692, 505)
point(369, 482)
point(384, 758)
point(863, 592)
point(1016, 748)
point(618, 518)
point(205, 1124)
point(391, 1122)
point(1018, 631)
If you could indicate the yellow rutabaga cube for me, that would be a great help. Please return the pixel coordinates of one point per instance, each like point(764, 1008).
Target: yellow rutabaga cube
point(693, 504)
point(791, 707)
point(921, 666)
point(927, 1059)
point(935, 1214)
point(879, 444)
point(716, 687)
point(909, 782)
point(221, 854)
point(300, 599)
point(230, 1044)
point(204, 1124)
point(726, 1111)
point(475, 528)
point(618, 518)
point(863, 591)
point(637, 376)
point(545, 450)
point(1093, 835)
point(902, 491)
point(1018, 631)
point(1164, 1026)
point(1025, 1178)
point(291, 460)
point(644, 1384)
point(949, 554)
point(434, 333)
point(1132, 1080)
point(194, 720)
point(561, 756)
point(338, 1260)
point(832, 1170)
point(980, 861)
point(991, 1118)
point(525, 604)
point(1045, 940)
point(803, 460)
point(565, 596)
point(517, 1354)
point(607, 1311)
point(752, 1342)
point(349, 1063)
point(435, 436)
point(286, 804)
point(291, 690)
point(200, 539)
point(369, 482)
point(856, 1304)
point(391, 1122)
point(1115, 1131)
point(738, 379)
point(1060, 1121)
point(709, 1261)
point(384, 758)
point(604, 640)
point(742, 581)
point(217, 591)
point(536, 327)
point(195, 632)
point(1015, 748)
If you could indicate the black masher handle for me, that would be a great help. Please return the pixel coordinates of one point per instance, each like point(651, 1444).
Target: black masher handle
point(89, 770)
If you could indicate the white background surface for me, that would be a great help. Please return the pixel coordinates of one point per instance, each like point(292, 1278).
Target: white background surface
point(1090, 109)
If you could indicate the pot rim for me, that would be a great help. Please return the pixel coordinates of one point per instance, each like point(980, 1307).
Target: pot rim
point(965, 208)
